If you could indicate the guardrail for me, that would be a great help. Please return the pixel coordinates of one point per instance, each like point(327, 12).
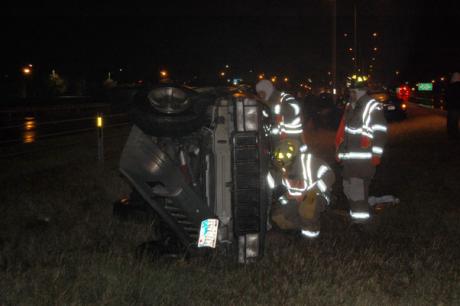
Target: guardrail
point(32, 136)
point(432, 101)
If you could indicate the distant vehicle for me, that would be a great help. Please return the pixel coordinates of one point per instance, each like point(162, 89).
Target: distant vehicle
point(394, 107)
point(197, 158)
point(403, 93)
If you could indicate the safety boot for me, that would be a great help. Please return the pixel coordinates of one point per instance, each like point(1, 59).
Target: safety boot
point(310, 231)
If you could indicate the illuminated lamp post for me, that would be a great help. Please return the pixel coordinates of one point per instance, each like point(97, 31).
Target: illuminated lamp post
point(27, 73)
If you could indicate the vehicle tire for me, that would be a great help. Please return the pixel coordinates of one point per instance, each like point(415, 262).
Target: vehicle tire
point(155, 123)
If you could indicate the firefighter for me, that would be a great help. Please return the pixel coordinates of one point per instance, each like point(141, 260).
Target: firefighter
point(360, 142)
point(285, 118)
point(305, 183)
point(286, 114)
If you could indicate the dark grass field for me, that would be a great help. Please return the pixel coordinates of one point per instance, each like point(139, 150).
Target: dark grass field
point(60, 245)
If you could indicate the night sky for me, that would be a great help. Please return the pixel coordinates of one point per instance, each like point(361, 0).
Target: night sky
point(419, 38)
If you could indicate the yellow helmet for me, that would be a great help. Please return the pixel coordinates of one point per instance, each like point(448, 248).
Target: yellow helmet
point(285, 152)
point(357, 82)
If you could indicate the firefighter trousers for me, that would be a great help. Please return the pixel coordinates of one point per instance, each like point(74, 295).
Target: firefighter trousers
point(357, 192)
point(299, 215)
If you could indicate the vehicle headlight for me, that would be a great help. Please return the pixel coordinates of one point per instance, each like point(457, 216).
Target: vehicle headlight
point(169, 100)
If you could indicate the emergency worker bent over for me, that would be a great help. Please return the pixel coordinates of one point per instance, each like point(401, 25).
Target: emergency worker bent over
point(359, 143)
point(305, 188)
point(286, 114)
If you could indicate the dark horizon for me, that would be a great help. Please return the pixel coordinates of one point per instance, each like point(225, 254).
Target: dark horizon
point(413, 38)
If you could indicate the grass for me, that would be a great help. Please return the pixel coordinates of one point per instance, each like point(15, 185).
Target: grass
point(60, 245)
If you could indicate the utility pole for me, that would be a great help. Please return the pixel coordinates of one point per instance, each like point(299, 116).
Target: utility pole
point(334, 51)
point(355, 35)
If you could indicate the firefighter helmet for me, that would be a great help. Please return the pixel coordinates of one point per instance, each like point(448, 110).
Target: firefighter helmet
point(357, 82)
point(285, 152)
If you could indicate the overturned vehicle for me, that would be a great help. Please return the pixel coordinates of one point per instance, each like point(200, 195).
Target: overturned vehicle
point(199, 158)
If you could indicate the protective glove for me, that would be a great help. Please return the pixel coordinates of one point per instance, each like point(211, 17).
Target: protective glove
point(279, 191)
point(307, 207)
point(375, 160)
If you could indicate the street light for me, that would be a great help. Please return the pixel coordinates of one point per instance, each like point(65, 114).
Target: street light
point(26, 71)
point(164, 74)
point(286, 79)
point(261, 76)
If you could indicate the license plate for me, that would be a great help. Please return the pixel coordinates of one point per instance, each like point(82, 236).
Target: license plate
point(208, 233)
point(391, 107)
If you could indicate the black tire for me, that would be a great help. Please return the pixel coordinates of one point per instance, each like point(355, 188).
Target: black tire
point(155, 123)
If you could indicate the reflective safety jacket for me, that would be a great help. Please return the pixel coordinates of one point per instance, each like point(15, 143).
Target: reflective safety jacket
point(306, 173)
point(287, 119)
point(361, 135)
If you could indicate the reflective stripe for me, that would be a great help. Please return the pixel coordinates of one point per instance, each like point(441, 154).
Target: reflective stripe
point(277, 109)
point(377, 150)
point(370, 106)
point(366, 109)
point(323, 169)
point(283, 200)
point(310, 187)
point(294, 189)
point(290, 98)
point(264, 113)
point(295, 107)
point(294, 123)
point(310, 182)
point(275, 131)
point(304, 168)
point(294, 193)
point(358, 131)
point(359, 215)
point(303, 149)
point(370, 113)
point(368, 135)
point(322, 186)
point(379, 127)
point(355, 155)
point(293, 126)
point(299, 131)
point(310, 234)
point(270, 180)
point(349, 130)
